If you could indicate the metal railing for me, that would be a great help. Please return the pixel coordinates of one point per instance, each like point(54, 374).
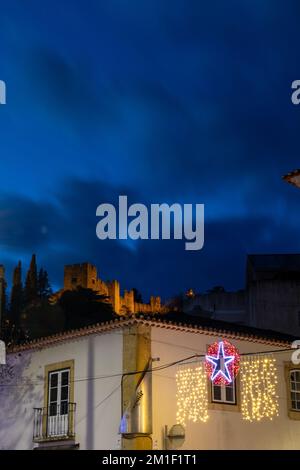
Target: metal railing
point(57, 421)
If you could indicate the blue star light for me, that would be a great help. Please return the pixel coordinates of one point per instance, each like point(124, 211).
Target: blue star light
point(220, 364)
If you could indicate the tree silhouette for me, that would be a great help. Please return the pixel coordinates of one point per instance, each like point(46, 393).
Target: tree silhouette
point(85, 307)
point(42, 319)
point(137, 296)
point(16, 299)
point(31, 283)
point(43, 289)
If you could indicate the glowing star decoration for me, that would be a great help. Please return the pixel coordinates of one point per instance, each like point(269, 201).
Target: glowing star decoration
point(222, 362)
point(192, 395)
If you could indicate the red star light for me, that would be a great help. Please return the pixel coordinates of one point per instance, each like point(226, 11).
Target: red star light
point(222, 362)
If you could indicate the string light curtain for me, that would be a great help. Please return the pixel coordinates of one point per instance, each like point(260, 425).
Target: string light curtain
point(259, 399)
point(192, 395)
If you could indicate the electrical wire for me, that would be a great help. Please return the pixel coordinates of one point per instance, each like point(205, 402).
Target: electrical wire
point(153, 369)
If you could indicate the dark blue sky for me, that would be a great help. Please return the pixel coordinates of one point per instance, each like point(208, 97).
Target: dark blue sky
point(182, 101)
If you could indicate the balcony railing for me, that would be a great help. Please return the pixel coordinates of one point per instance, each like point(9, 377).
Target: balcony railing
point(56, 421)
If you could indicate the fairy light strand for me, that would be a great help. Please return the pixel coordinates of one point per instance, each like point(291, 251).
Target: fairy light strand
point(258, 377)
point(192, 395)
point(259, 381)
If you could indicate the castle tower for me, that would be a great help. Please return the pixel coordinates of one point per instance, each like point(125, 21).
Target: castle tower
point(129, 300)
point(80, 275)
point(114, 294)
point(155, 303)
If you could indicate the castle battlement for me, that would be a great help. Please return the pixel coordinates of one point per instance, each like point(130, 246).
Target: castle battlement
point(86, 275)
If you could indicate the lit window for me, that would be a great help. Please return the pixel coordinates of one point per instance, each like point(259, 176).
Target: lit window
point(223, 394)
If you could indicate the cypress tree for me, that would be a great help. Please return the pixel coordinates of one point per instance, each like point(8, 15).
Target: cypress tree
point(44, 288)
point(16, 299)
point(31, 283)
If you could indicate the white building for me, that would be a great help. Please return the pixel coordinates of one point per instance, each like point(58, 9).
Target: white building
point(72, 389)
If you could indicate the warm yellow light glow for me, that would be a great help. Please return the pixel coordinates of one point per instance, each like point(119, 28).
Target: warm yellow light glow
point(192, 396)
point(259, 397)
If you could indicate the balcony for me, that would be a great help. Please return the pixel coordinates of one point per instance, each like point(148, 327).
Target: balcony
point(54, 423)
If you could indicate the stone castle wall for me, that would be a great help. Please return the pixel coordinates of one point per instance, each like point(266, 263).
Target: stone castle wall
point(85, 275)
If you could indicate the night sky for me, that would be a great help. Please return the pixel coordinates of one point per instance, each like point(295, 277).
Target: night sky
point(165, 101)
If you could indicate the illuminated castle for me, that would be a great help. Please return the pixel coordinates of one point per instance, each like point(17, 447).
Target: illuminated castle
point(85, 275)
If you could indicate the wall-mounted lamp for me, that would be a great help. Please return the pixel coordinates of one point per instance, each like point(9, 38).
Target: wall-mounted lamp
point(174, 437)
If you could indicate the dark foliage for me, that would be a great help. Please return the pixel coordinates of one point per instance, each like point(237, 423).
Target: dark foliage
point(44, 288)
point(84, 307)
point(42, 319)
point(31, 283)
point(137, 296)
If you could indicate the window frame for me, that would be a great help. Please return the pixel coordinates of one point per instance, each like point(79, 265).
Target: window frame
point(57, 367)
point(288, 368)
point(223, 394)
point(59, 387)
point(295, 391)
point(224, 406)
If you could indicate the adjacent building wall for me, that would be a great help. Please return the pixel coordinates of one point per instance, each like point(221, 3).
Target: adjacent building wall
point(219, 305)
point(273, 292)
point(137, 400)
point(275, 304)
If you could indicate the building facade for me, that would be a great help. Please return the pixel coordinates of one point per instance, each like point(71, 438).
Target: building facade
point(115, 386)
point(273, 292)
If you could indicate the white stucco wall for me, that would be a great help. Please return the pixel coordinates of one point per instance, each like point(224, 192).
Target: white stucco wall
point(224, 429)
point(98, 401)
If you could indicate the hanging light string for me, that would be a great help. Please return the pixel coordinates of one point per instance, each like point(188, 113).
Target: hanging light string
point(186, 360)
point(192, 395)
point(258, 353)
point(259, 398)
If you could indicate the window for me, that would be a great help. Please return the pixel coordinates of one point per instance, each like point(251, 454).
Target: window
point(224, 397)
point(74, 280)
point(59, 399)
point(58, 403)
point(59, 385)
point(295, 389)
point(292, 378)
point(223, 394)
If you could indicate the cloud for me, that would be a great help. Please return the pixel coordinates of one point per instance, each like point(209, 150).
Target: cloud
point(64, 232)
point(189, 103)
point(68, 90)
point(25, 224)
